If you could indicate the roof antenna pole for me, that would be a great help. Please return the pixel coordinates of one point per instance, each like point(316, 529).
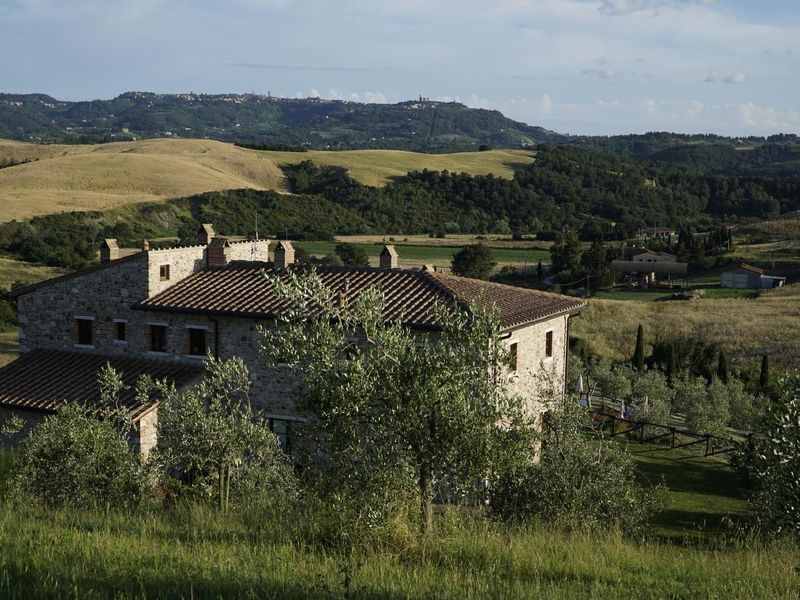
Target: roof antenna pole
point(254, 246)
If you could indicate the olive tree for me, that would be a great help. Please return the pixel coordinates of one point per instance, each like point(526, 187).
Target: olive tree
point(582, 478)
point(81, 455)
point(775, 463)
point(74, 458)
point(388, 404)
point(211, 434)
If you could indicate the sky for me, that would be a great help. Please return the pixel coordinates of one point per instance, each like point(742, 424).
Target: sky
point(575, 66)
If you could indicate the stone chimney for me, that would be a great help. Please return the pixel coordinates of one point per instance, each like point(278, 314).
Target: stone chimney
point(219, 252)
point(109, 250)
point(145, 246)
point(284, 254)
point(205, 234)
point(388, 258)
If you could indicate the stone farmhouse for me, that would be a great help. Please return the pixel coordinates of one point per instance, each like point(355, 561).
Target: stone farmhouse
point(162, 311)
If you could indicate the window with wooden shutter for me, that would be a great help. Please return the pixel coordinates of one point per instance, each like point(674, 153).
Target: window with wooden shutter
point(548, 344)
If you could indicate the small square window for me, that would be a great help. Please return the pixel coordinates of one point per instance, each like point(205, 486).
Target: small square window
point(548, 344)
point(158, 338)
point(282, 429)
point(85, 332)
point(121, 333)
point(512, 359)
point(197, 342)
point(163, 272)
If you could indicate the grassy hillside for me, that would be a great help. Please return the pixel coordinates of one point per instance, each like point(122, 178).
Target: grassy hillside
point(191, 551)
point(96, 177)
point(378, 167)
point(745, 327)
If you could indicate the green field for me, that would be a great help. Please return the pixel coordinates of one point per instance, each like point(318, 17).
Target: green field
point(707, 293)
point(703, 493)
point(438, 255)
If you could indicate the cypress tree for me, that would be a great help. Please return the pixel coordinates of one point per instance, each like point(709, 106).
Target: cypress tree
point(672, 363)
point(722, 367)
point(638, 354)
point(763, 379)
point(540, 270)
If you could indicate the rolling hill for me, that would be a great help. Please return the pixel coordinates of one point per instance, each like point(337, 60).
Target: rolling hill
point(312, 123)
point(70, 177)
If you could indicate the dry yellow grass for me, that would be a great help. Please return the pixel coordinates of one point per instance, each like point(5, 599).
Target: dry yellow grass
point(12, 270)
point(97, 177)
point(102, 176)
point(8, 346)
point(745, 328)
point(378, 167)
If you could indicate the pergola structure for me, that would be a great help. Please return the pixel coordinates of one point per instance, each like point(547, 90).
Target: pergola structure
point(650, 273)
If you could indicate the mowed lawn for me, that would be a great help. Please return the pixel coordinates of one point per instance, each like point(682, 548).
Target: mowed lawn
point(416, 255)
point(704, 496)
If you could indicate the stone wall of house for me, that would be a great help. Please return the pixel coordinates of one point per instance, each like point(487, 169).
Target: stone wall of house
point(250, 250)
point(182, 263)
point(538, 376)
point(47, 314)
point(145, 433)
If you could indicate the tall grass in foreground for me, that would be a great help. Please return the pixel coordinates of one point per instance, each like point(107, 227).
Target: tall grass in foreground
point(196, 552)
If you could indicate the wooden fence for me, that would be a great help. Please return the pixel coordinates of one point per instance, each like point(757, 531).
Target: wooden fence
point(674, 437)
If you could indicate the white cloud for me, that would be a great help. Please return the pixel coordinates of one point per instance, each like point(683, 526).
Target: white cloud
point(626, 7)
point(737, 77)
point(601, 73)
point(715, 76)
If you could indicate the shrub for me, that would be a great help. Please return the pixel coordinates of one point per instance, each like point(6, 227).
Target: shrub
point(774, 463)
point(652, 397)
point(581, 480)
point(352, 254)
point(474, 260)
point(75, 459)
point(225, 450)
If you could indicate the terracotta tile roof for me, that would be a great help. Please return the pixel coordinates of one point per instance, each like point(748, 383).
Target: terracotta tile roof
point(42, 380)
point(240, 289)
point(659, 268)
point(751, 268)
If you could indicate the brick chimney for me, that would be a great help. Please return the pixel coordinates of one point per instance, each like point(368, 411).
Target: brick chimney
point(219, 252)
point(284, 254)
point(205, 234)
point(388, 258)
point(109, 250)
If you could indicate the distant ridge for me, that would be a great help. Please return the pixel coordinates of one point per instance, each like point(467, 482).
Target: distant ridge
point(422, 125)
point(419, 125)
